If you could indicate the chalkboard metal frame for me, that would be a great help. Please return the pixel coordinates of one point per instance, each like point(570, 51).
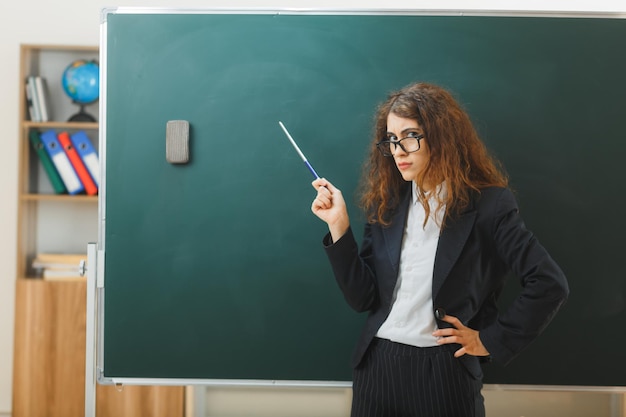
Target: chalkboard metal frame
point(96, 318)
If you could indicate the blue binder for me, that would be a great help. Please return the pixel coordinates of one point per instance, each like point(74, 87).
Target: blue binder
point(61, 162)
point(88, 154)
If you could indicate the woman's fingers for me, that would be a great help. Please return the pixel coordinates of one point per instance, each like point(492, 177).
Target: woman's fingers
point(468, 338)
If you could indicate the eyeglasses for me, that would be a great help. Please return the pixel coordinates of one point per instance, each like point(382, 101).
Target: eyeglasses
point(408, 145)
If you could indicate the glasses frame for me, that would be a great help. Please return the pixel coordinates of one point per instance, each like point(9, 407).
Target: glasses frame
point(397, 143)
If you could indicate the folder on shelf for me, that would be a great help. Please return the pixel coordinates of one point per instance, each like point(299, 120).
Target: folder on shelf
point(31, 99)
point(46, 162)
point(42, 98)
point(61, 162)
point(58, 260)
point(77, 163)
point(54, 266)
point(88, 153)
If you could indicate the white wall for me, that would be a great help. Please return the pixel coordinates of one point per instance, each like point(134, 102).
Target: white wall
point(78, 22)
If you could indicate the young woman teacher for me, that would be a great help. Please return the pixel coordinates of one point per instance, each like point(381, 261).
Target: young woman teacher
point(443, 230)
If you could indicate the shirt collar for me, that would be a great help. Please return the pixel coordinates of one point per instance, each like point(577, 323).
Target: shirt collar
point(414, 192)
point(441, 190)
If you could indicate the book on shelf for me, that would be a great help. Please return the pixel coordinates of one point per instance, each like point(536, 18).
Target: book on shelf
point(41, 88)
point(77, 163)
point(52, 174)
point(31, 99)
point(37, 98)
point(58, 266)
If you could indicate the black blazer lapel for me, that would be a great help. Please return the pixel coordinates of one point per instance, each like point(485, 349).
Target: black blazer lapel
point(394, 232)
point(451, 243)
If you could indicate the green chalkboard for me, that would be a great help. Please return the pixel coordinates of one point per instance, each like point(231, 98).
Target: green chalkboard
point(215, 270)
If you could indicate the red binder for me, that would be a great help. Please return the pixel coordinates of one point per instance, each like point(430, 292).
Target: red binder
point(90, 187)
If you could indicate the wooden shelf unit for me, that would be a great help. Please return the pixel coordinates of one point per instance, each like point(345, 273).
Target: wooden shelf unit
point(50, 316)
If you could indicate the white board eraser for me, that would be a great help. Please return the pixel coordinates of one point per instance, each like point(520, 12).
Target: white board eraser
point(177, 142)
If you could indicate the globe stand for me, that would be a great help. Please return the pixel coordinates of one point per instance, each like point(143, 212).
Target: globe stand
point(82, 115)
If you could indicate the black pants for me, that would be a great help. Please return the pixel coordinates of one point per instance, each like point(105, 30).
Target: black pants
point(396, 380)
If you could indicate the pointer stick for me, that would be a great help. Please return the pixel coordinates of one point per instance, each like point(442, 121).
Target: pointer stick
point(293, 142)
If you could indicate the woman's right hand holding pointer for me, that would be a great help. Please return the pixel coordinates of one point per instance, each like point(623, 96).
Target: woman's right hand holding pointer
point(330, 206)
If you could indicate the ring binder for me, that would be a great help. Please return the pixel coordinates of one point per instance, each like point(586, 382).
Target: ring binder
point(77, 164)
point(61, 162)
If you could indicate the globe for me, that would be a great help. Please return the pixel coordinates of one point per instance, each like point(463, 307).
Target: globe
point(81, 82)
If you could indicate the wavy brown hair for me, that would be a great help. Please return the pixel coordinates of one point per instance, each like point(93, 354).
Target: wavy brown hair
point(457, 155)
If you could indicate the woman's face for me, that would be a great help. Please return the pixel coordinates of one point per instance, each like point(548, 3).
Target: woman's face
point(410, 164)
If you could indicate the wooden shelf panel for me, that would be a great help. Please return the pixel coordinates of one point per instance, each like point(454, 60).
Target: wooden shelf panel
point(49, 362)
point(49, 374)
point(59, 197)
point(60, 125)
point(58, 47)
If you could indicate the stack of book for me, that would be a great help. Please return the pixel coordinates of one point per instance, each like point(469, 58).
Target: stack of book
point(37, 99)
point(70, 161)
point(58, 266)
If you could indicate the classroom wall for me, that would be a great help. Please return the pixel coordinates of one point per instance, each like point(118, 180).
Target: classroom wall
point(78, 22)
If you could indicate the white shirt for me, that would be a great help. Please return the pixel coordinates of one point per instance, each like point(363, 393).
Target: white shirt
point(411, 320)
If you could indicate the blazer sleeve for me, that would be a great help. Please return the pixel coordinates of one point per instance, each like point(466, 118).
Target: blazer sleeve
point(351, 269)
point(544, 286)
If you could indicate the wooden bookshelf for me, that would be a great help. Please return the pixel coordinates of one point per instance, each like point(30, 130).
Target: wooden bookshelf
point(50, 315)
point(39, 208)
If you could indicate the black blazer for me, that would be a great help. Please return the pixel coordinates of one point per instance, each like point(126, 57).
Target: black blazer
point(475, 252)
